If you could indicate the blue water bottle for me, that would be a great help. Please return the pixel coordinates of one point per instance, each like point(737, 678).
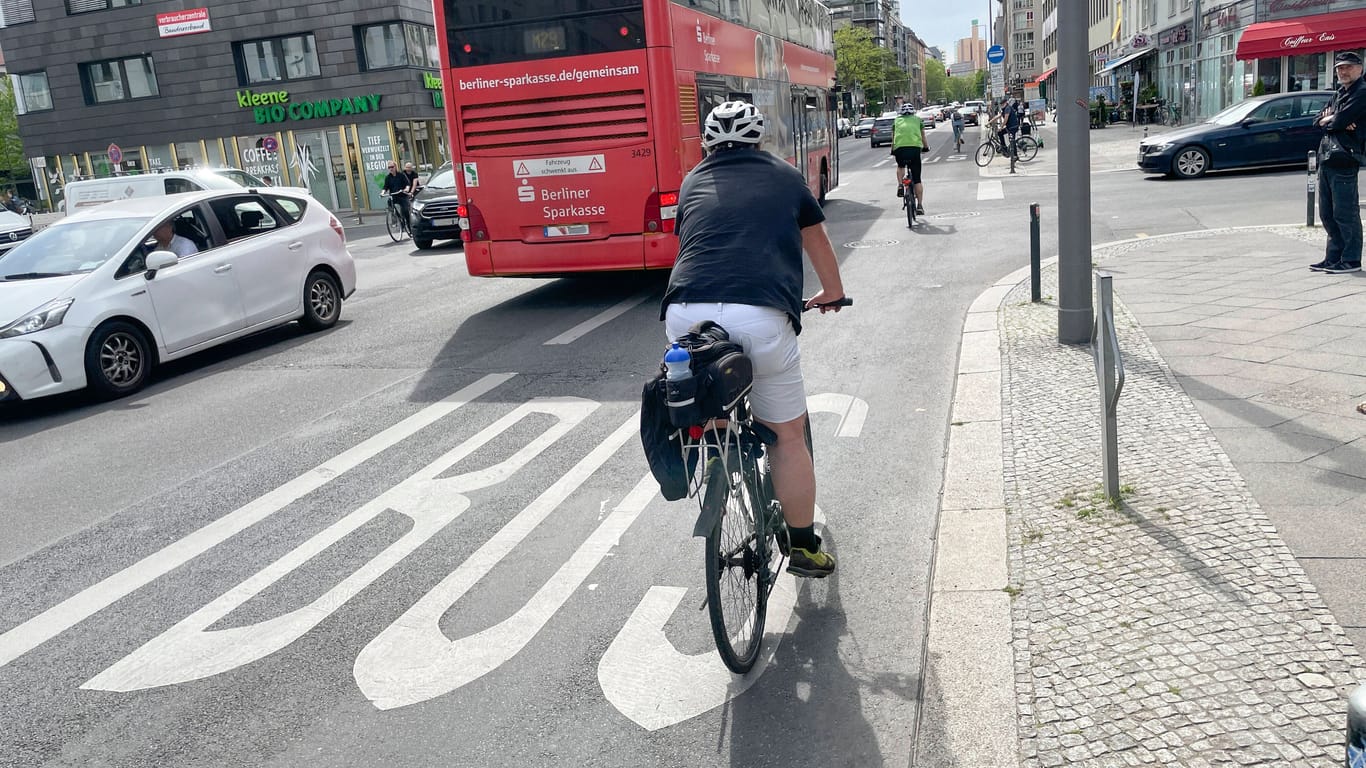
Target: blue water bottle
point(680, 386)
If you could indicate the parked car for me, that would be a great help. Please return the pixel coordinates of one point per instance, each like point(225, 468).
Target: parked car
point(844, 127)
point(14, 229)
point(1264, 130)
point(882, 131)
point(92, 300)
point(86, 193)
point(864, 128)
point(435, 209)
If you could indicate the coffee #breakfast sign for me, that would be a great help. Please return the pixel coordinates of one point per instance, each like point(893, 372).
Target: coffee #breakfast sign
point(188, 22)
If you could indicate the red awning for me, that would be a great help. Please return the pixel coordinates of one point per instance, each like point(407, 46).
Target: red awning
point(1043, 76)
point(1339, 31)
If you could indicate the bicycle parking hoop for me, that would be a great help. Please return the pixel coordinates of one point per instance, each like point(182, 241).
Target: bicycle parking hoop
point(844, 301)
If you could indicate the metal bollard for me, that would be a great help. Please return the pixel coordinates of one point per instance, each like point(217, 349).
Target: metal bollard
point(1110, 378)
point(1311, 186)
point(359, 220)
point(1013, 152)
point(1035, 280)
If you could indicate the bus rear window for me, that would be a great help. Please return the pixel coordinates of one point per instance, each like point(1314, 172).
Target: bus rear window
point(498, 31)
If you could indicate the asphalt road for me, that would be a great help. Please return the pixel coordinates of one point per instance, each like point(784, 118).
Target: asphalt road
point(426, 537)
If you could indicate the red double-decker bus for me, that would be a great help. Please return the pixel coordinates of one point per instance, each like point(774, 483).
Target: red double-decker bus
point(573, 122)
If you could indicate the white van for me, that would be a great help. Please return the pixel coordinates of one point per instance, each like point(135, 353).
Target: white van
point(78, 195)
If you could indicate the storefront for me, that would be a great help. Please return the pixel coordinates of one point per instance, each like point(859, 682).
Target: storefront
point(1133, 78)
point(341, 165)
point(1290, 51)
point(1220, 79)
point(1176, 68)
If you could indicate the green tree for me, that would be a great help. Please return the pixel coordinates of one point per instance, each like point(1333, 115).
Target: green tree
point(859, 59)
point(13, 163)
point(936, 82)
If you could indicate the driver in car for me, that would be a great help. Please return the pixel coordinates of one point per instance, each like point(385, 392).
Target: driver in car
point(168, 240)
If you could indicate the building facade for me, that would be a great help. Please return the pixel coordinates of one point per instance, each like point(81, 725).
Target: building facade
point(315, 94)
point(971, 51)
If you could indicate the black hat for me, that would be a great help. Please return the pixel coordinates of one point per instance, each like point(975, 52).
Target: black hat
point(1347, 57)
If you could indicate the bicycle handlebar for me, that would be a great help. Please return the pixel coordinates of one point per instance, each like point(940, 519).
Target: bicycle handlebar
point(841, 302)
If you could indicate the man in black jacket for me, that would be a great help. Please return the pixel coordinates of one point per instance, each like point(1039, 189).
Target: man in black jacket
point(1344, 119)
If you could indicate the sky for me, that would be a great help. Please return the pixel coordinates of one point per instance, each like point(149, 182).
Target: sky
point(942, 23)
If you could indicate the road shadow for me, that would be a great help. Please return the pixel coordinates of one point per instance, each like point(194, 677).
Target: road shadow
point(808, 709)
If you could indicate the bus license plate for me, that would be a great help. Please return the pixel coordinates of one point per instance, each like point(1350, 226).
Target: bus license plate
point(566, 230)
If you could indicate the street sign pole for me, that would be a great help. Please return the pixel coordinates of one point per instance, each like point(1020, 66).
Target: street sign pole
point(1075, 312)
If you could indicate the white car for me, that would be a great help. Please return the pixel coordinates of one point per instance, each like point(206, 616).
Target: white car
point(14, 229)
point(92, 300)
point(929, 116)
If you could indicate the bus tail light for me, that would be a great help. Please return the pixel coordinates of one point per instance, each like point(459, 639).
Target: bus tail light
point(472, 226)
point(660, 211)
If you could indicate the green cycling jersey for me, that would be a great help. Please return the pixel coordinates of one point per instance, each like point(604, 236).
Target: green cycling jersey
point(908, 131)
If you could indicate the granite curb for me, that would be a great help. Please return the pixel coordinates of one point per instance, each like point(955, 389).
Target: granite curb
point(1174, 628)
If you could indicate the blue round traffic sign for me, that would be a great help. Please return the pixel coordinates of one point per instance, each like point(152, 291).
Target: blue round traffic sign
point(996, 54)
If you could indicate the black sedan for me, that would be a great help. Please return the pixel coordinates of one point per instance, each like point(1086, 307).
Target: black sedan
point(435, 215)
point(1263, 130)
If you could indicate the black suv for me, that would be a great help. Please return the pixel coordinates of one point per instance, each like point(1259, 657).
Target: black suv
point(435, 215)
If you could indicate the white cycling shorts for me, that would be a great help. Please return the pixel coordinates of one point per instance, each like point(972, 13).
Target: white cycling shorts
point(766, 334)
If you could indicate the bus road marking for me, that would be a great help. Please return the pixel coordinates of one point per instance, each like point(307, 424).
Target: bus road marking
point(191, 651)
point(412, 660)
point(38, 630)
point(601, 318)
point(881, 163)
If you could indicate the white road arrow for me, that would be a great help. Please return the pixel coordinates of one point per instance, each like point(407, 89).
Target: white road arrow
point(189, 651)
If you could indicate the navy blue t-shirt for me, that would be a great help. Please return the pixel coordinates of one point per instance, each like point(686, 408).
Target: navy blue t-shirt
point(740, 217)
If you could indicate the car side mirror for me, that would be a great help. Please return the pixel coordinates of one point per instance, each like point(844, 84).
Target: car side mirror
point(1251, 121)
point(158, 260)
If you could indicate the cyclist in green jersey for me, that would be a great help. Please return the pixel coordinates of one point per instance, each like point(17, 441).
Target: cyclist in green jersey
point(908, 141)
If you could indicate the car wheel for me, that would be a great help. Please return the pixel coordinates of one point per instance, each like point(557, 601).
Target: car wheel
point(1190, 162)
point(422, 245)
point(322, 301)
point(118, 359)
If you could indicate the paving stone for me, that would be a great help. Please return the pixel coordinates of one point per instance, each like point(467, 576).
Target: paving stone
point(1175, 628)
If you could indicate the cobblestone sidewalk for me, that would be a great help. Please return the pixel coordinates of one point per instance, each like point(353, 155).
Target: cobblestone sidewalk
point(1176, 629)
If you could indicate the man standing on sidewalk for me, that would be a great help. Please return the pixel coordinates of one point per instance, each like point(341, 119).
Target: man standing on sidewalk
point(1344, 120)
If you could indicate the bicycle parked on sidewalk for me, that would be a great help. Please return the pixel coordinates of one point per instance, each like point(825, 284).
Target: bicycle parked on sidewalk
point(1026, 149)
point(739, 514)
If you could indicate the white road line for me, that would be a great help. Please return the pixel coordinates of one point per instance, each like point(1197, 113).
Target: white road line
point(77, 608)
point(412, 660)
point(649, 681)
point(990, 190)
point(852, 411)
point(881, 163)
point(190, 651)
point(603, 317)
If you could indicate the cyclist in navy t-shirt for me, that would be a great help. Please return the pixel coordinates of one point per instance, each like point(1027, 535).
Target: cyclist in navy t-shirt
point(744, 218)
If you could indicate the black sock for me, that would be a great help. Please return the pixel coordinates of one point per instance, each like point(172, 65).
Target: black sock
point(803, 538)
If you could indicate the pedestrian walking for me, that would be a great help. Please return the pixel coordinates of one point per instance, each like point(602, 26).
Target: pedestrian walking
point(1341, 153)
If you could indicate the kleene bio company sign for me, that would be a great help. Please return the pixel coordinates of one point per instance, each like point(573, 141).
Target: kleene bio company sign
point(432, 82)
point(189, 22)
point(275, 106)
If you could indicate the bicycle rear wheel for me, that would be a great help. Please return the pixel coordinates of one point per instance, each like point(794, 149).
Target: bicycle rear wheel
point(908, 202)
point(393, 224)
point(736, 552)
point(984, 154)
point(1026, 148)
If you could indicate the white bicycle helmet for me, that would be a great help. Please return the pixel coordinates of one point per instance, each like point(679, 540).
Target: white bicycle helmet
point(907, 109)
point(737, 121)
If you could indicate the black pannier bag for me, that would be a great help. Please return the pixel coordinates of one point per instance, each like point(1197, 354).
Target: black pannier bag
point(722, 375)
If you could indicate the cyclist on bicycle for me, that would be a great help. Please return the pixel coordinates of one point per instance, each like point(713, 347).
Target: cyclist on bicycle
point(908, 141)
point(744, 218)
point(1010, 124)
point(397, 186)
point(957, 119)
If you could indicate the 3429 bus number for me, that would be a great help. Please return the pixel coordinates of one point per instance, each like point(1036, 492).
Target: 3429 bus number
point(647, 152)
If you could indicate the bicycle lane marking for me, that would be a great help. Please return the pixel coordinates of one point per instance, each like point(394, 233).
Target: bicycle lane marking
point(655, 686)
point(35, 631)
point(190, 651)
point(602, 318)
point(412, 660)
point(991, 190)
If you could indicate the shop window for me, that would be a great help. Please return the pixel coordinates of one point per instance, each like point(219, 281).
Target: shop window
point(15, 12)
point(397, 44)
point(86, 6)
point(119, 80)
point(31, 93)
point(275, 59)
